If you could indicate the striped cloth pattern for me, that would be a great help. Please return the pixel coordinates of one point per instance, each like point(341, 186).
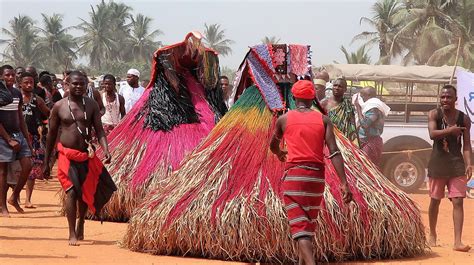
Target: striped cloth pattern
point(12, 106)
point(303, 188)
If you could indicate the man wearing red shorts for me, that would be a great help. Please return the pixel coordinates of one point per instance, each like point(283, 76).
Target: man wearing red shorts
point(305, 132)
point(450, 162)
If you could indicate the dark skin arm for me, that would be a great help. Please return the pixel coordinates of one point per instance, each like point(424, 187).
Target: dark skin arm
point(51, 138)
point(97, 123)
point(436, 134)
point(122, 105)
point(276, 139)
point(42, 106)
point(98, 99)
point(11, 142)
point(337, 160)
point(466, 147)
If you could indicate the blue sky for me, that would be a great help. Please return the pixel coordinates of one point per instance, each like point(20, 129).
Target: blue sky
point(325, 25)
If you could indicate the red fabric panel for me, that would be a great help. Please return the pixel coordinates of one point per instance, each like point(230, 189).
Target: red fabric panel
point(304, 136)
point(63, 171)
point(95, 168)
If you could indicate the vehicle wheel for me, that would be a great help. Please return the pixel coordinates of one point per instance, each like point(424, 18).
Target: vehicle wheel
point(407, 173)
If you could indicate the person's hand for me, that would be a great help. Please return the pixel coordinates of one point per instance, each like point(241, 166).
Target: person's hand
point(46, 171)
point(357, 103)
point(456, 130)
point(15, 145)
point(346, 193)
point(469, 172)
point(107, 157)
point(282, 155)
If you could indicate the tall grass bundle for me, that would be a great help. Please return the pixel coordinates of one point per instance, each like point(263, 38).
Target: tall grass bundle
point(225, 202)
point(175, 113)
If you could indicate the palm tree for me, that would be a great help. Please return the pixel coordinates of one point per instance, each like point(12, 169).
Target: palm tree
point(425, 21)
point(385, 22)
point(142, 42)
point(120, 25)
point(56, 43)
point(462, 36)
point(359, 57)
point(98, 42)
point(215, 39)
point(270, 40)
point(22, 48)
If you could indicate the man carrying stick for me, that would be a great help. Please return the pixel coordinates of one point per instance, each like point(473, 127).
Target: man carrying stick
point(306, 131)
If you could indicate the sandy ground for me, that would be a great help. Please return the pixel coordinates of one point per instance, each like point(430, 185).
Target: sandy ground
point(39, 237)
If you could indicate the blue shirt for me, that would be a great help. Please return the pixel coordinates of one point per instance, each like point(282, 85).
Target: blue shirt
point(371, 124)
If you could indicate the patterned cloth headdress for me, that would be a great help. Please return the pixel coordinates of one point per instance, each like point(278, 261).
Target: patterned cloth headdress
point(261, 64)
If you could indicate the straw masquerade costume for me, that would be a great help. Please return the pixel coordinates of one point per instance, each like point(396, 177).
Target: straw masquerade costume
point(179, 107)
point(226, 200)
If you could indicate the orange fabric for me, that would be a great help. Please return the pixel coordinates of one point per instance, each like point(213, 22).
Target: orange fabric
point(89, 186)
point(304, 137)
point(303, 89)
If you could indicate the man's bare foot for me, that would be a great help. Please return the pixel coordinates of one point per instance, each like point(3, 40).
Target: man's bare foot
point(432, 241)
point(80, 230)
point(5, 213)
point(462, 248)
point(73, 240)
point(15, 204)
point(29, 205)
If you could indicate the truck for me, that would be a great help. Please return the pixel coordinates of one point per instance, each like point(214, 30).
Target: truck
point(411, 92)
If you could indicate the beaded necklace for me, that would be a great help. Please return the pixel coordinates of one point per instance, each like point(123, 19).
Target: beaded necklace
point(90, 148)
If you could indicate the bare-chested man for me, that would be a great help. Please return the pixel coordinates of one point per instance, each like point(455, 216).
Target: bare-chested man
point(80, 172)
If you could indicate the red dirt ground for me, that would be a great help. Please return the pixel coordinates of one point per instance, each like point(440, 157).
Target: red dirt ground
point(39, 237)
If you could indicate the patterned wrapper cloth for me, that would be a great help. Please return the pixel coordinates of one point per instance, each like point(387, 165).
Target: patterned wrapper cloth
point(303, 188)
point(37, 158)
point(373, 147)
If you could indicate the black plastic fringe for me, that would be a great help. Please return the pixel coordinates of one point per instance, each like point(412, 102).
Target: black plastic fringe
point(165, 108)
point(215, 99)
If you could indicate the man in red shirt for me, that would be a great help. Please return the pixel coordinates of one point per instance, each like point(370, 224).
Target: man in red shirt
point(305, 132)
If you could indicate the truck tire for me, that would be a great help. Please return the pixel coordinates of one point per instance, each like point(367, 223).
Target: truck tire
point(407, 173)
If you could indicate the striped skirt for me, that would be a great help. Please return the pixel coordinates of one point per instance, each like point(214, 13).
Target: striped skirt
point(303, 188)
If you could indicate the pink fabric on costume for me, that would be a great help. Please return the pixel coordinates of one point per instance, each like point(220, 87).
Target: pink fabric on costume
point(298, 59)
point(456, 187)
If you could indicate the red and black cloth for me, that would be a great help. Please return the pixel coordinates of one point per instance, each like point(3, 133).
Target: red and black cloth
point(87, 176)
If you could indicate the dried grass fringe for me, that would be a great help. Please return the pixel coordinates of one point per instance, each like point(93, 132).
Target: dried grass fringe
point(242, 234)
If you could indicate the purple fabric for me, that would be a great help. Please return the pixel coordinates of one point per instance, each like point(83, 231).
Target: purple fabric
point(265, 83)
point(264, 54)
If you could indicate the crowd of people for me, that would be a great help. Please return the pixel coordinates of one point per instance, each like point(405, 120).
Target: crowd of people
point(24, 122)
point(43, 118)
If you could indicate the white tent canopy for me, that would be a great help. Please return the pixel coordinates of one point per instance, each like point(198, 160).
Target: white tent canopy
point(391, 73)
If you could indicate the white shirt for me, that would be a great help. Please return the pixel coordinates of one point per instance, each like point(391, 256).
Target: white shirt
point(131, 95)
